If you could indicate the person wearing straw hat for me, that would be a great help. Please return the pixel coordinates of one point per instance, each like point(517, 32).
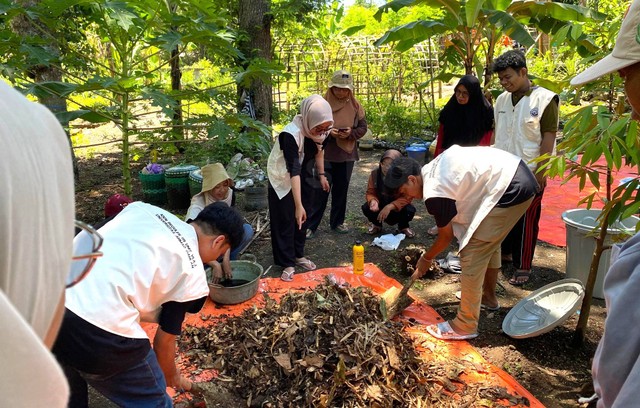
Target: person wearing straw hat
point(616, 364)
point(340, 154)
point(216, 187)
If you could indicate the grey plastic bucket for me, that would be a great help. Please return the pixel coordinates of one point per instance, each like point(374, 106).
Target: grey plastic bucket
point(255, 198)
point(580, 245)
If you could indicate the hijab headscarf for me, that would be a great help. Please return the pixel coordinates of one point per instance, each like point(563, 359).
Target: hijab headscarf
point(465, 125)
point(385, 193)
point(346, 112)
point(314, 111)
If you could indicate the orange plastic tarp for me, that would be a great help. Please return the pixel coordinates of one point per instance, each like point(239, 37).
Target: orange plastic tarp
point(374, 278)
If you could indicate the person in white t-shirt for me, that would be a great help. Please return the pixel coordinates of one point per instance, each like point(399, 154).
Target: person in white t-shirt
point(36, 213)
point(151, 271)
point(475, 194)
point(216, 186)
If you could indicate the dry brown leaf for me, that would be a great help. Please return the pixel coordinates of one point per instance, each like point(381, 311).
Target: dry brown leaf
point(253, 372)
point(284, 360)
point(394, 360)
point(313, 361)
point(374, 392)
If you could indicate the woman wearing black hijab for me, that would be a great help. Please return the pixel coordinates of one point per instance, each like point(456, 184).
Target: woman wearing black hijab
point(467, 119)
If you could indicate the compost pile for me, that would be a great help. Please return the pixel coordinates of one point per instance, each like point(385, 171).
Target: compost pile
point(330, 347)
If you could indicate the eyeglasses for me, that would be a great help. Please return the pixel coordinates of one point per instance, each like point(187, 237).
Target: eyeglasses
point(86, 250)
point(319, 129)
point(462, 94)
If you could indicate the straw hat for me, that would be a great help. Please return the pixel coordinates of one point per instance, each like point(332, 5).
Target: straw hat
point(212, 175)
point(341, 79)
point(626, 51)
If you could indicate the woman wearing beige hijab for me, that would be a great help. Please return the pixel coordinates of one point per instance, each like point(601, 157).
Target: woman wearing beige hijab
point(298, 146)
point(341, 152)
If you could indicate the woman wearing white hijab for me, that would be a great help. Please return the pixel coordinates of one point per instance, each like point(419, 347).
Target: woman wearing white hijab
point(300, 142)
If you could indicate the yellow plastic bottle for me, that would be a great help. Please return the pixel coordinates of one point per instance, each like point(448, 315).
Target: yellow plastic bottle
point(358, 258)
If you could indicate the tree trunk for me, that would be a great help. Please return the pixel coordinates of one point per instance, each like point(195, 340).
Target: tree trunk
point(544, 43)
point(176, 84)
point(581, 327)
point(254, 18)
point(176, 76)
point(26, 27)
point(493, 38)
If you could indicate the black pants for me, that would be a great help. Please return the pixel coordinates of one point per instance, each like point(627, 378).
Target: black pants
point(521, 241)
point(339, 175)
point(401, 217)
point(287, 241)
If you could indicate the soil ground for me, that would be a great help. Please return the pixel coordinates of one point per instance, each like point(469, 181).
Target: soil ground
point(548, 366)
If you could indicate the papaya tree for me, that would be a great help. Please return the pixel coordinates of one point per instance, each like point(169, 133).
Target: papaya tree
point(117, 52)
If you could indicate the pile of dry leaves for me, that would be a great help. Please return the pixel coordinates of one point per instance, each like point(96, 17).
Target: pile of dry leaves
point(330, 347)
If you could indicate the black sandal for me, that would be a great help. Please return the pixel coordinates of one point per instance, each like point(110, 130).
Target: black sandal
point(520, 273)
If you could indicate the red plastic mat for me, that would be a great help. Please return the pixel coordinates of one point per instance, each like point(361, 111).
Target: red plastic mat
point(559, 198)
point(374, 278)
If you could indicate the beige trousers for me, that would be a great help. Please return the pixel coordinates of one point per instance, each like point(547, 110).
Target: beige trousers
point(482, 252)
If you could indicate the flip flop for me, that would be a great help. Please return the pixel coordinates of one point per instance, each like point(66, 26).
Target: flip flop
point(306, 264)
point(341, 229)
point(287, 275)
point(489, 308)
point(374, 229)
point(443, 331)
point(520, 273)
point(408, 232)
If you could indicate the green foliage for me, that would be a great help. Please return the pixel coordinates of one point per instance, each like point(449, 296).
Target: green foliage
point(115, 60)
point(79, 138)
point(363, 16)
point(306, 18)
point(260, 70)
point(602, 130)
point(561, 64)
point(473, 28)
point(230, 135)
point(593, 133)
point(394, 122)
point(604, 39)
point(204, 74)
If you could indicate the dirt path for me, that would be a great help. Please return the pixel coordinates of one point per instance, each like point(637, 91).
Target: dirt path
point(547, 365)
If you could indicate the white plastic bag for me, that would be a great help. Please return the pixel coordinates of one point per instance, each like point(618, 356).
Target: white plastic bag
point(388, 242)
